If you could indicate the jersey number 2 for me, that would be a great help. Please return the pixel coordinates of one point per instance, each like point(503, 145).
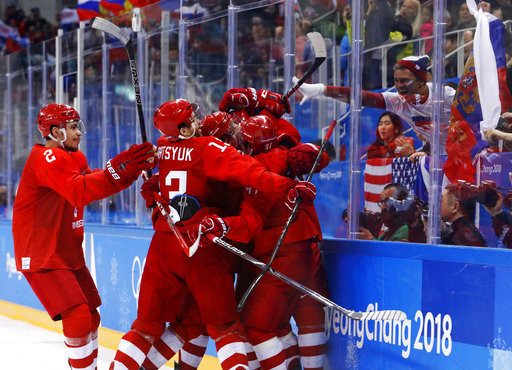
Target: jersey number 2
point(48, 154)
point(176, 176)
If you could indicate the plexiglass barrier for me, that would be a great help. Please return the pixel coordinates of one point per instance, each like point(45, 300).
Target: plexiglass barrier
point(199, 51)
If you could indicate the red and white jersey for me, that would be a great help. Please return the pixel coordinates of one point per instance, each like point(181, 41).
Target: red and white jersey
point(47, 224)
point(203, 167)
point(417, 113)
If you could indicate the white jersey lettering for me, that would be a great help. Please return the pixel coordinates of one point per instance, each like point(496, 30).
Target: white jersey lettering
point(176, 153)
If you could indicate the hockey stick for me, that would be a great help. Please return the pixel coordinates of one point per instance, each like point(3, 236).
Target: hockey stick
point(114, 31)
point(317, 41)
point(189, 251)
point(395, 315)
point(289, 221)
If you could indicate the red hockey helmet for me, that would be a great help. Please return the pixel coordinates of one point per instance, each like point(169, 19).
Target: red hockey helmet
point(55, 115)
point(169, 117)
point(258, 134)
point(216, 124)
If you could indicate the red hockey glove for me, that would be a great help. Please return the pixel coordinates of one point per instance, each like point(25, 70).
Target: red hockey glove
point(150, 192)
point(304, 190)
point(125, 167)
point(302, 157)
point(239, 99)
point(273, 103)
point(213, 226)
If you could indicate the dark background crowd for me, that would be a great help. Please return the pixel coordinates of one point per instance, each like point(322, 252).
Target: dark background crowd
point(386, 23)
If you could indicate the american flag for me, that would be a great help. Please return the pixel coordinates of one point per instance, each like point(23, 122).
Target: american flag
point(379, 172)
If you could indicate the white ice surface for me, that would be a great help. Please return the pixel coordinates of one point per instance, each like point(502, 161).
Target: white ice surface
point(27, 347)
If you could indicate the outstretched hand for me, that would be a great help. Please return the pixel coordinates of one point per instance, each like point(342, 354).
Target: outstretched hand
point(125, 167)
point(309, 91)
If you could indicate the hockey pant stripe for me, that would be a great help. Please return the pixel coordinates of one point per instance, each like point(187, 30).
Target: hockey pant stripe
point(271, 354)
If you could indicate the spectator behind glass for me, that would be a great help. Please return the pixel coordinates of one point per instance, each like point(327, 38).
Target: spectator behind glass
point(427, 27)
point(405, 26)
point(466, 19)
point(450, 69)
point(392, 198)
point(450, 26)
point(302, 27)
point(257, 53)
point(378, 21)
point(501, 218)
point(468, 49)
point(502, 132)
point(457, 228)
point(390, 143)
point(410, 12)
point(345, 46)
point(506, 9)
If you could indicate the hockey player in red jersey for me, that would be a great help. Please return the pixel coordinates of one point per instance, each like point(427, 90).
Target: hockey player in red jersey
point(258, 134)
point(198, 167)
point(48, 230)
point(297, 161)
point(300, 159)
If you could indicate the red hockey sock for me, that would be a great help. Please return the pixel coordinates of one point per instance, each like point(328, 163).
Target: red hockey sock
point(231, 352)
point(312, 347)
point(131, 352)
point(76, 325)
point(162, 350)
point(230, 345)
point(192, 352)
point(254, 364)
point(270, 354)
point(291, 349)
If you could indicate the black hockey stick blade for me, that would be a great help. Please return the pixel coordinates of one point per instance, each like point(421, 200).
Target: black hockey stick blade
point(317, 41)
point(394, 315)
point(102, 24)
point(288, 221)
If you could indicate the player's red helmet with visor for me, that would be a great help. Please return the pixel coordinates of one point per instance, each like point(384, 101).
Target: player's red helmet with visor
point(171, 115)
point(55, 115)
point(258, 134)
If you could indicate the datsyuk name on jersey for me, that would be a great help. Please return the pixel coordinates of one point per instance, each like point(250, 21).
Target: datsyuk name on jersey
point(175, 153)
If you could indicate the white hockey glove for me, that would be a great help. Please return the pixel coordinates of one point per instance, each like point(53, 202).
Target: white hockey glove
point(310, 91)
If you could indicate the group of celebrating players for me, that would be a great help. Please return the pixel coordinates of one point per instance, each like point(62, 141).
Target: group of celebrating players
point(234, 174)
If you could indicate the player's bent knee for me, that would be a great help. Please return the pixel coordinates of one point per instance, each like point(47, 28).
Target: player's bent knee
point(256, 336)
point(95, 320)
point(218, 330)
point(154, 330)
point(77, 321)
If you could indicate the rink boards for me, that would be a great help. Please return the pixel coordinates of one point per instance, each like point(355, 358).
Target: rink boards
point(456, 299)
